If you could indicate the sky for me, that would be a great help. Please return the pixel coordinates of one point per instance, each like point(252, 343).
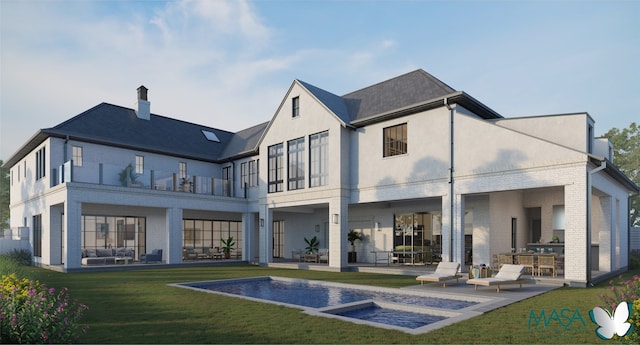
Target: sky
point(228, 64)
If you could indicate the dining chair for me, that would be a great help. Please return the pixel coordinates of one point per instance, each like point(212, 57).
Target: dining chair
point(504, 259)
point(528, 261)
point(547, 262)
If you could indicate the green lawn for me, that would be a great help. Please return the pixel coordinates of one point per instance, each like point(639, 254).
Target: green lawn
point(138, 307)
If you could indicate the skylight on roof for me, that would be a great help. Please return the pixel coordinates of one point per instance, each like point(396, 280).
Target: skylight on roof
point(210, 136)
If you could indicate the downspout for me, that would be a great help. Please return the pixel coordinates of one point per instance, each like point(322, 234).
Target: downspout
point(451, 187)
point(590, 174)
point(629, 226)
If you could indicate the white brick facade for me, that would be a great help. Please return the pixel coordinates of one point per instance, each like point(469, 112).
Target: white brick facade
point(507, 177)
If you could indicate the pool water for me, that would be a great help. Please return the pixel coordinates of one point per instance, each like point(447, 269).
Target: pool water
point(394, 317)
point(315, 295)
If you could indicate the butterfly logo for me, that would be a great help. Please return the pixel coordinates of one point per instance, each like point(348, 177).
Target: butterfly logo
point(611, 323)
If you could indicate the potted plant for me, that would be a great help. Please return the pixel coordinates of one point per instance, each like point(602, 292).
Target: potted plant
point(312, 245)
point(127, 176)
point(227, 247)
point(352, 236)
point(185, 184)
point(555, 239)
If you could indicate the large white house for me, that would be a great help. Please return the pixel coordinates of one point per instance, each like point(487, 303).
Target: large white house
point(419, 169)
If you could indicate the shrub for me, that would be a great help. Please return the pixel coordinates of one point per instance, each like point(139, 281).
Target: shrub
point(30, 312)
point(8, 265)
point(634, 261)
point(626, 291)
point(21, 256)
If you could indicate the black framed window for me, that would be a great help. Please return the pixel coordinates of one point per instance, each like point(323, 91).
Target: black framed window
point(253, 173)
point(295, 173)
point(395, 140)
point(140, 165)
point(41, 163)
point(244, 175)
point(77, 155)
point(37, 235)
point(295, 106)
point(275, 178)
point(199, 233)
point(183, 169)
point(318, 159)
point(227, 181)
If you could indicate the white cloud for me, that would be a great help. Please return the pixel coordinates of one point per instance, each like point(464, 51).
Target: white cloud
point(62, 58)
point(227, 64)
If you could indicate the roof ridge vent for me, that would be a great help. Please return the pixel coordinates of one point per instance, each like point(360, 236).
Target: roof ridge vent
point(143, 106)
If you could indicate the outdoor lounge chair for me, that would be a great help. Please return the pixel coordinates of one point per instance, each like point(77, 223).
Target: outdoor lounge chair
point(508, 274)
point(444, 271)
point(323, 255)
point(155, 255)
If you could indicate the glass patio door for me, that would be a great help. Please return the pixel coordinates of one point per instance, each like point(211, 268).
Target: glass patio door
point(278, 239)
point(415, 239)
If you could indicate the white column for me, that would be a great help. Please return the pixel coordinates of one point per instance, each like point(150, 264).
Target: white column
point(446, 228)
point(575, 232)
point(72, 235)
point(338, 244)
point(55, 237)
point(458, 230)
point(173, 252)
point(248, 236)
point(265, 223)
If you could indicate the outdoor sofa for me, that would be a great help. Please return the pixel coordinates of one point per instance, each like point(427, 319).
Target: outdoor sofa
point(105, 256)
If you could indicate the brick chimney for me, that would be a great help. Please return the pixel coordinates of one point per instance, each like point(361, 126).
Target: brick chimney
point(143, 106)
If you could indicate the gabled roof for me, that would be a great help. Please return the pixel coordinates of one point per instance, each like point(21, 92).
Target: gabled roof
point(335, 103)
point(409, 93)
point(244, 142)
point(408, 89)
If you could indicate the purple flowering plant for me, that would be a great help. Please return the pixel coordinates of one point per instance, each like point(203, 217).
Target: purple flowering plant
point(32, 313)
point(625, 291)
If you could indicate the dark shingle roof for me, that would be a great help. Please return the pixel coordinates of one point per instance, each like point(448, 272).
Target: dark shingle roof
point(119, 126)
point(335, 103)
point(245, 141)
point(399, 96)
point(408, 89)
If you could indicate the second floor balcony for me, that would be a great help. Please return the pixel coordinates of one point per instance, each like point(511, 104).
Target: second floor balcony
point(112, 175)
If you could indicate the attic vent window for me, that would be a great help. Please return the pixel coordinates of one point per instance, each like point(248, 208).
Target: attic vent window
point(210, 136)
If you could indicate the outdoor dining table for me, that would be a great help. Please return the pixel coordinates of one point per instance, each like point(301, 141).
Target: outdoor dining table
point(559, 259)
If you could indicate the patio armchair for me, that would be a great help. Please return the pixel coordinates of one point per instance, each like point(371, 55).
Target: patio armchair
point(323, 255)
point(155, 255)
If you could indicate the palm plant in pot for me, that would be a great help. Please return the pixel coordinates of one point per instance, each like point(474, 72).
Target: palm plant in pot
point(127, 176)
point(312, 245)
point(227, 247)
point(352, 236)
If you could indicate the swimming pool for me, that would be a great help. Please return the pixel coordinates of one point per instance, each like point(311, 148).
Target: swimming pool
point(400, 309)
point(324, 294)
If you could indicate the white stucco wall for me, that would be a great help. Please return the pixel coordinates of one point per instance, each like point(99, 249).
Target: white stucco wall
point(568, 130)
